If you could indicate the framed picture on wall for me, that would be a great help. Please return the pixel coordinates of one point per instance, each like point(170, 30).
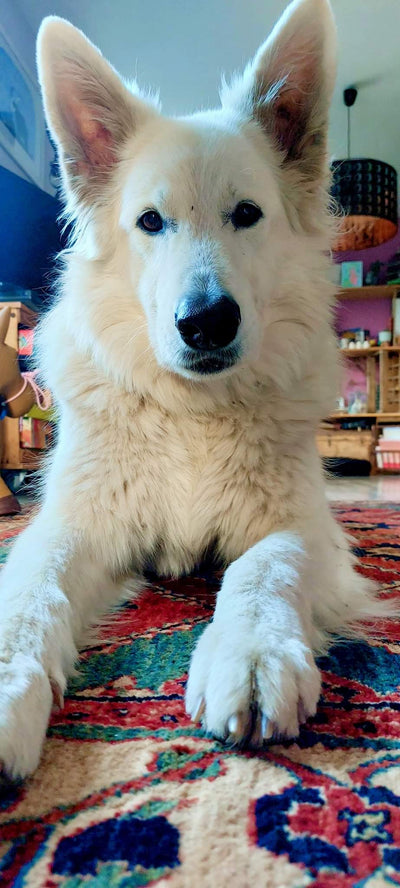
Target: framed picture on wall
point(22, 129)
point(351, 274)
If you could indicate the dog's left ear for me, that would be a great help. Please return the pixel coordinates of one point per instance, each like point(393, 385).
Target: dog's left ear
point(288, 86)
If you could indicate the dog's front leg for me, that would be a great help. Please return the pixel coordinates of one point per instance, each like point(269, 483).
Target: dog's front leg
point(253, 674)
point(58, 580)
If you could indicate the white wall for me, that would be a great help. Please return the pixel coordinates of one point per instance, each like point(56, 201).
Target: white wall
point(182, 46)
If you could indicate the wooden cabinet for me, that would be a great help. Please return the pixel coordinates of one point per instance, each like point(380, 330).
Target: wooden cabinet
point(14, 456)
point(381, 364)
point(346, 444)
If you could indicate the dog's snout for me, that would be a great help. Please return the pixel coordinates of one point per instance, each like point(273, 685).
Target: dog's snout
point(208, 325)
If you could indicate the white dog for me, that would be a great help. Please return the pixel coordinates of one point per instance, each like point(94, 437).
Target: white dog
point(192, 357)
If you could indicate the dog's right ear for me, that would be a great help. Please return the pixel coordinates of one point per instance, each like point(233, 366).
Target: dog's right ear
point(90, 112)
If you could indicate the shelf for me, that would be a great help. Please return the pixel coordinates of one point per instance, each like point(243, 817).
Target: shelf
point(364, 352)
point(13, 456)
point(384, 291)
point(347, 435)
point(350, 416)
point(361, 352)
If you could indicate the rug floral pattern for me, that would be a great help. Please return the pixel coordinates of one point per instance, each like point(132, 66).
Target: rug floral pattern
point(129, 793)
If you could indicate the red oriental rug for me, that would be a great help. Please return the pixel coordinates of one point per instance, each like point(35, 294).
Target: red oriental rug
point(130, 793)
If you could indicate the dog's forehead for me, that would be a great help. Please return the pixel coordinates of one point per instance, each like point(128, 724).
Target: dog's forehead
point(188, 163)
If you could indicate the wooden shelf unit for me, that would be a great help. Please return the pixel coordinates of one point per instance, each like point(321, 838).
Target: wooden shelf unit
point(360, 443)
point(389, 370)
point(14, 456)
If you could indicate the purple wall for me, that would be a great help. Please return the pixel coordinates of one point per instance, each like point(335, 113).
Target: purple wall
point(372, 314)
point(382, 254)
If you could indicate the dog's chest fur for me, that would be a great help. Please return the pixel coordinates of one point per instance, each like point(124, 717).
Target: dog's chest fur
point(186, 482)
point(165, 475)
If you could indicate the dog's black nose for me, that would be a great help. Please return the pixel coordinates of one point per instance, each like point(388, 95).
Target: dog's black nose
point(207, 324)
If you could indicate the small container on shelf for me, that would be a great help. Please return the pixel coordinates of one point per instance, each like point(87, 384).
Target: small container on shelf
point(388, 455)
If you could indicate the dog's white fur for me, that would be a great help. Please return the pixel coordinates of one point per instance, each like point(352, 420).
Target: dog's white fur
point(154, 462)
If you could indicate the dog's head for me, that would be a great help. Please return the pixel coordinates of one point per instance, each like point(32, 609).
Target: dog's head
point(198, 220)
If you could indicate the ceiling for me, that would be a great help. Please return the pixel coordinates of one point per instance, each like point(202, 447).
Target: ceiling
point(183, 46)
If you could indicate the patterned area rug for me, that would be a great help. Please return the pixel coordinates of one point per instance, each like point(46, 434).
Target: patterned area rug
point(130, 793)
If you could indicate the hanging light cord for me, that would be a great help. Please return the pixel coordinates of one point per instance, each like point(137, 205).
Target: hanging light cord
point(349, 97)
point(348, 132)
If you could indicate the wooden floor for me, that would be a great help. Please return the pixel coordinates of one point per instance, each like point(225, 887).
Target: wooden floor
point(383, 488)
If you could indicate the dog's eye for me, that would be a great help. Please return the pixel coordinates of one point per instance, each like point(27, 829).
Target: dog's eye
point(245, 215)
point(151, 222)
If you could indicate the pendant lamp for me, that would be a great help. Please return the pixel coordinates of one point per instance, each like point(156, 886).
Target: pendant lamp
point(366, 191)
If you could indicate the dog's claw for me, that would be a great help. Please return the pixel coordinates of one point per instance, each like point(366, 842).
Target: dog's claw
point(233, 724)
point(199, 710)
point(264, 725)
point(58, 697)
point(267, 728)
point(302, 713)
point(238, 727)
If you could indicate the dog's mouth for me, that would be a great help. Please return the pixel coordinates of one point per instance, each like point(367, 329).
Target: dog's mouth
point(209, 363)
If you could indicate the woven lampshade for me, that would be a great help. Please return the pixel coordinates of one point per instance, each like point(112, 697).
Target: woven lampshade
point(366, 190)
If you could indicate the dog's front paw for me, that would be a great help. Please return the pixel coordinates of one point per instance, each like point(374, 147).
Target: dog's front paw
point(247, 689)
point(26, 697)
